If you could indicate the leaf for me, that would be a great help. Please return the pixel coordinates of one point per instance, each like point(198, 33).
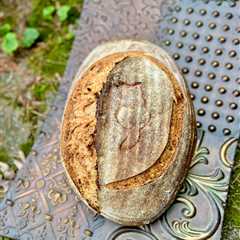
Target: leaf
point(69, 36)
point(48, 12)
point(10, 43)
point(62, 12)
point(5, 28)
point(30, 35)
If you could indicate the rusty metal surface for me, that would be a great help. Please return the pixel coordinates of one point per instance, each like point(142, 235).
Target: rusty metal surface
point(203, 37)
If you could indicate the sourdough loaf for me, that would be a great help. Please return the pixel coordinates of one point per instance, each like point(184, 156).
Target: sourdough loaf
point(128, 131)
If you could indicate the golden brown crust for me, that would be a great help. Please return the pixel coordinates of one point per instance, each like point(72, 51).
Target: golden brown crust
point(78, 146)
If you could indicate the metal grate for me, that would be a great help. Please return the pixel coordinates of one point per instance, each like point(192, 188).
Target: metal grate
point(203, 37)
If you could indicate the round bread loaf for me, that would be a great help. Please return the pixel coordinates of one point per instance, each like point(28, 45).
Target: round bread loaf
point(128, 131)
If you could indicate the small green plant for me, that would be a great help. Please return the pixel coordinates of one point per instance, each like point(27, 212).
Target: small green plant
point(30, 35)
point(63, 12)
point(10, 43)
point(48, 12)
point(5, 28)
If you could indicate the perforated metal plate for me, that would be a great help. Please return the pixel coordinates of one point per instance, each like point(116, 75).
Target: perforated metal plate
point(203, 38)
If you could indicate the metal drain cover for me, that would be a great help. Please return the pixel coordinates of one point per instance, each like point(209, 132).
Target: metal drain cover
point(204, 39)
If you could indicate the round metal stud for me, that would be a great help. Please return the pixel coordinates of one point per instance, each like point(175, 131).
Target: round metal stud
point(229, 15)
point(204, 99)
point(174, 20)
point(195, 35)
point(211, 75)
point(178, 8)
point(201, 61)
point(233, 106)
point(34, 152)
point(238, 29)
point(205, 49)
point(229, 66)
point(88, 232)
point(236, 41)
point(232, 53)
point(54, 107)
point(225, 78)
point(192, 96)
point(212, 25)
point(186, 22)
point(194, 85)
point(179, 44)
point(202, 11)
point(183, 33)
point(229, 118)
point(170, 31)
point(201, 112)
point(236, 93)
point(9, 202)
point(192, 47)
point(215, 64)
point(218, 51)
point(188, 59)
point(209, 38)
point(238, 80)
point(176, 56)
point(215, 13)
point(222, 90)
point(215, 115)
point(222, 39)
point(43, 133)
point(185, 70)
point(190, 10)
point(198, 73)
point(208, 88)
point(199, 24)
point(48, 217)
point(212, 128)
point(218, 103)
point(232, 4)
point(226, 131)
point(226, 27)
point(198, 124)
point(167, 42)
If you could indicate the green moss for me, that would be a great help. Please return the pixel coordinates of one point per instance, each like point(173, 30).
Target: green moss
point(27, 146)
point(52, 58)
point(40, 90)
point(4, 155)
point(5, 238)
point(37, 18)
point(6, 158)
point(231, 229)
point(10, 13)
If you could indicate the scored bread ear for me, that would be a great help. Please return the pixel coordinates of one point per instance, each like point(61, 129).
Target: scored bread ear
point(128, 131)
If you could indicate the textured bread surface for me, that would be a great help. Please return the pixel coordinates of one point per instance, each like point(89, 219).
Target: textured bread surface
point(128, 132)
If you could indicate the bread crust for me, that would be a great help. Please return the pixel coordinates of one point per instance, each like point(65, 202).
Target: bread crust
point(142, 195)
